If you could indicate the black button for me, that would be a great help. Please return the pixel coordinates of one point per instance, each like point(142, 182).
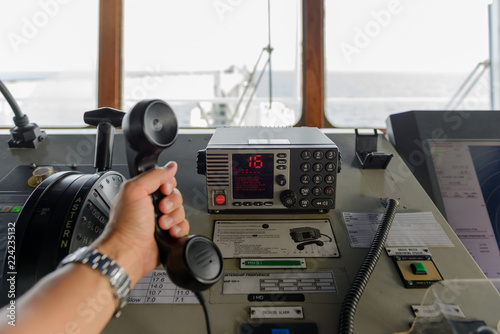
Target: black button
point(329, 179)
point(247, 203)
point(304, 202)
point(258, 203)
point(317, 167)
point(281, 155)
point(306, 155)
point(305, 179)
point(281, 167)
point(318, 155)
point(317, 191)
point(268, 203)
point(322, 202)
point(236, 203)
point(329, 191)
point(280, 179)
point(281, 161)
point(304, 191)
point(305, 167)
point(330, 155)
point(330, 167)
point(317, 179)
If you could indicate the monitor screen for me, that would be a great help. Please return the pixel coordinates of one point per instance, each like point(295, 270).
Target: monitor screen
point(468, 175)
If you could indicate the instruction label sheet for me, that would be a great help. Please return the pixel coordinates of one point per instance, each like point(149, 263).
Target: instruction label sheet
point(275, 238)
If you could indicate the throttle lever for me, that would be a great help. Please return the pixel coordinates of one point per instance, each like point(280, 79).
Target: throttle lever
point(192, 262)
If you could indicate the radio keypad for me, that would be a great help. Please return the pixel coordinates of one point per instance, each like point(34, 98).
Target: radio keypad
point(321, 173)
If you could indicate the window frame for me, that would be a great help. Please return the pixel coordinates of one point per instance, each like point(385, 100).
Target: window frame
point(110, 72)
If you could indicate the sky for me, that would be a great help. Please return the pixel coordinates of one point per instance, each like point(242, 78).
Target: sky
point(369, 35)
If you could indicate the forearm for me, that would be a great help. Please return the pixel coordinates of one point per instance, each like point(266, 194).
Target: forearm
point(74, 299)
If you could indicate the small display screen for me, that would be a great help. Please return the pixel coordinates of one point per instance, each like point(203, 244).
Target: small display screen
point(253, 176)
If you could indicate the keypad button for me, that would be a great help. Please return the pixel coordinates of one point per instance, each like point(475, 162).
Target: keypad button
point(305, 179)
point(322, 202)
point(317, 191)
point(329, 179)
point(304, 203)
point(330, 155)
point(317, 167)
point(318, 155)
point(304, 191)
point(317, 179)
point(306, 155)
point(305, 167)
point(330, 167)
point(328, 191)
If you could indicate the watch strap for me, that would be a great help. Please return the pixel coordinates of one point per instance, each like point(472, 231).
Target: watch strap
point(118, 278)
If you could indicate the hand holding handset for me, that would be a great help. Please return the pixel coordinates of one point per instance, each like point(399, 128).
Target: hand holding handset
point(193, 262)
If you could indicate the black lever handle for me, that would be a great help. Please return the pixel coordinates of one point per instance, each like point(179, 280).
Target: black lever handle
point(106, 119)
point(193, 262)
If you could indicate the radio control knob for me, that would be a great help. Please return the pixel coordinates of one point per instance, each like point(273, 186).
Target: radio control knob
point(281, 179)
point(288, 198)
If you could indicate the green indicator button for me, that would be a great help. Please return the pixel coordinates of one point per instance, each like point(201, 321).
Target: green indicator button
point(418, 268)
point(273, 263)
point(16, 209)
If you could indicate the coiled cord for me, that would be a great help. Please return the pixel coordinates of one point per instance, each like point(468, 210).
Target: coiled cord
point(346, 321)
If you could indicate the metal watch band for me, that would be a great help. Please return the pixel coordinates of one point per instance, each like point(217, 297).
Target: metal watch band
point(117, 276)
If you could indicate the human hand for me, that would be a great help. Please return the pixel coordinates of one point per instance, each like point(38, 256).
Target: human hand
point(129, 235)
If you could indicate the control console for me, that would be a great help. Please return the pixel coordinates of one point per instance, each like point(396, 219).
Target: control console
point(270, 169)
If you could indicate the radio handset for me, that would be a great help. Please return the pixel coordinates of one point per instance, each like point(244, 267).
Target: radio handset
point(192, 262)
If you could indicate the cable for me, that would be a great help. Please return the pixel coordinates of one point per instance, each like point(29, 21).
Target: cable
point(326, 235)
point(203, 304)
point(346, 321)
point(19, 116)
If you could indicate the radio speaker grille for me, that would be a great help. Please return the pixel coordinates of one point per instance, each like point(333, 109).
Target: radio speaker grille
point(217, 169)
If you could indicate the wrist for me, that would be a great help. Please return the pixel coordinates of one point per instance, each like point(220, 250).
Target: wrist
point(123, 255)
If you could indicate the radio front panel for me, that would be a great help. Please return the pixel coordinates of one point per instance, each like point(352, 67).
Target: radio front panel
point(263, 178)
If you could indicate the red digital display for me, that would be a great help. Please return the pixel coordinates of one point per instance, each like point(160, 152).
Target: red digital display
point(253, 176)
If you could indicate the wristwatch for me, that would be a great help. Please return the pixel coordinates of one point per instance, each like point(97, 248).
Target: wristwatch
point(117, 276)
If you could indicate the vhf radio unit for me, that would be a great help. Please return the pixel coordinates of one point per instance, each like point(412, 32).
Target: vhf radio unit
point(252, 169)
